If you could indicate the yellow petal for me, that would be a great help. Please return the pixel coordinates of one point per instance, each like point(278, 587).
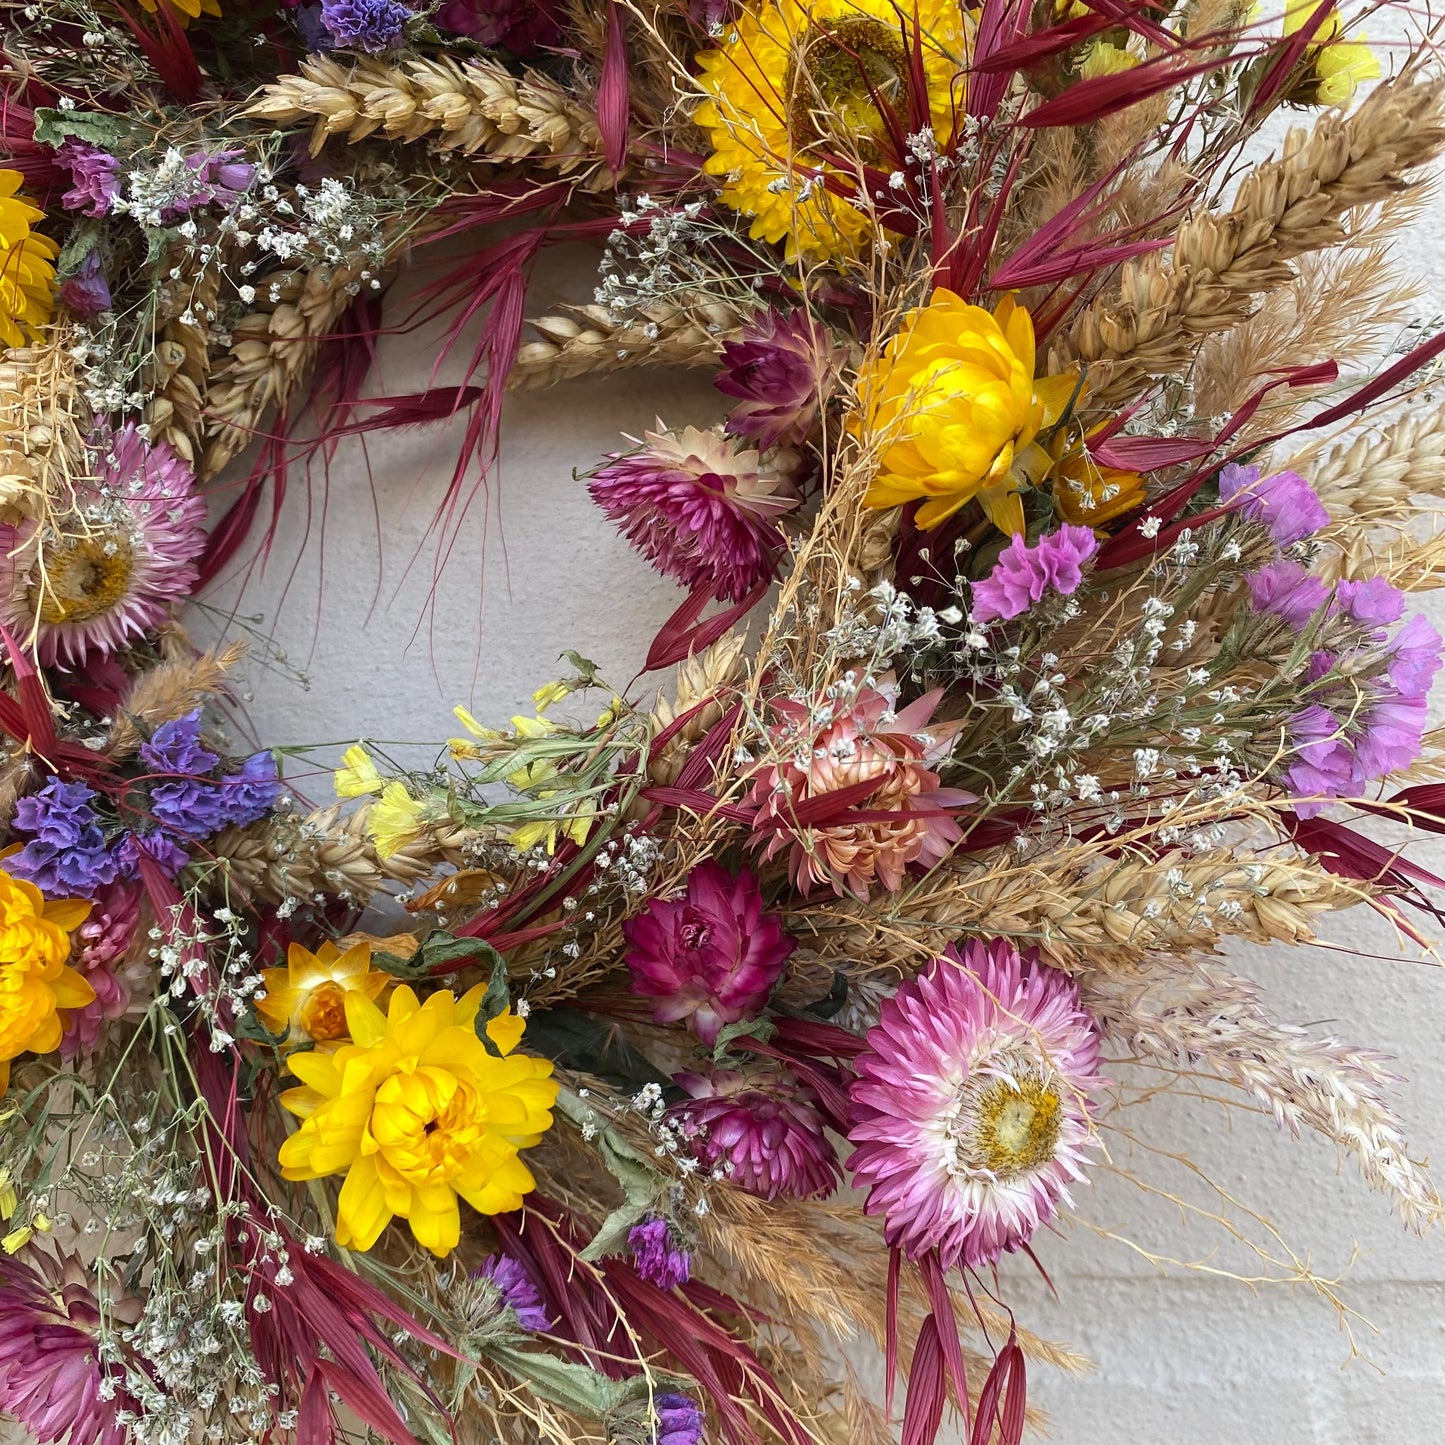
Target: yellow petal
point(506, 1030)
point(361, 1208)
point(67, 913)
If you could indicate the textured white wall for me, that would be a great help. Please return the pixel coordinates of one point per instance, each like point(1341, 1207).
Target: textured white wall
point(1181, 1354)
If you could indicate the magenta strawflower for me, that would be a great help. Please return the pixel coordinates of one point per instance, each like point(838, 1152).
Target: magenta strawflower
point(710, 957)
point(52, 1380)
point(761, 1129)
point(102, 954)
point(702, 512)
point(782, 369)
point(1025, 572)
point(122, 558)
point(971, 1111)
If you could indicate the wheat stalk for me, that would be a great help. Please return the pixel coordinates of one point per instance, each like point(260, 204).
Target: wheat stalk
point(181, 362)
point(591, 339)
point(1380, 470)
point(474, 106)
point(1221, 261)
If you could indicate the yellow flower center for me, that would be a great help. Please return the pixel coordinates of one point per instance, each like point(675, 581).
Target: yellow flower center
point(323, 1015)
point(426, 1124)
point(84, 577)
point(1008, 1126)
point(841, 79)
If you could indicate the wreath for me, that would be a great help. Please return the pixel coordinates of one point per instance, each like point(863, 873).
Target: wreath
point(1042, 628)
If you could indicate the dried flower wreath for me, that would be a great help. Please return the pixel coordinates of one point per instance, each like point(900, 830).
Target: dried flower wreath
point(1044, 629)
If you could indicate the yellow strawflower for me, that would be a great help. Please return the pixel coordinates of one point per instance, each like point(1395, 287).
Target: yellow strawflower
point(1103, 58)
point(416, 1113)
point(189, 9)
point(798, 82)
point(1088, 494)
point(35, 981)
point(1333, 67)
point(954, 406)
point(394, 820)
point(27, 265)
point(306, 1000)
point(357, 776)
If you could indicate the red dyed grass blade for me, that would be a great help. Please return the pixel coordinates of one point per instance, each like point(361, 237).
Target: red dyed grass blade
point(168, 50)
point(683, 634)
point(1088, 101)
point(612, 89)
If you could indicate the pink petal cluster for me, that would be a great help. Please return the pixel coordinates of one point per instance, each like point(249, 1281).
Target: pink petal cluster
point(127, 555)
point(51, 1378)
point(815, 799)
point(762, 1129)
point(101, 952)
point(781, 369)
point(710, 957)
point(701, 511)
point(970, 1111)
point(1026, 572)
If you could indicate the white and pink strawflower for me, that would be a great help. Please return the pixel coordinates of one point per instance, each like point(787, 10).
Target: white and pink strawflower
point(971, 1109)
point(110, 571)
point(850, 792)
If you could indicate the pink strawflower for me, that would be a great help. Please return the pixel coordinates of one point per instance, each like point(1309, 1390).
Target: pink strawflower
point(1025, 573)
point(710, 957)
point(837, 744)
point(51, 1378)
point(782, 370)
point(970, 1110)
point(112, 572)
point(101, 954)
point(701, 511)
point(761, 1129)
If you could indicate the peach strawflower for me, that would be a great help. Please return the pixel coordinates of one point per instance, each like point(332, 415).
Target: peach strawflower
point(847, 738)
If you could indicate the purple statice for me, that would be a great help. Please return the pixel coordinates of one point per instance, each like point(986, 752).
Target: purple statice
point(85, 293)
point(525, 27)
point(160, 848)
point(1025, 573)
point(175, 747)
point(1373, 603)
point(1287, 590)
point(1285, 502)
point(657, 1256)
point(517, 1291)
point(95, 174)
point(781, 370)
point(67, 857)
point(677, 1420)
point(251, 792)
point(369, 25)
point(189, 808)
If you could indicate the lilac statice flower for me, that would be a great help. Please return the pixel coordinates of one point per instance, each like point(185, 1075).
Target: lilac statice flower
point(189, 808)
point(175, 747)
point(252, 792)
point(85, 293)
point(1285, 502)
point(1415, 658)
point(517, 1291)
point(96, 177)
point(1287, 590)
point(678, 1420)
point(67, 857)
point(656, 1255)
point(1025, 573)
point(1374, 603)
point(369, 25)
point(207, 178)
